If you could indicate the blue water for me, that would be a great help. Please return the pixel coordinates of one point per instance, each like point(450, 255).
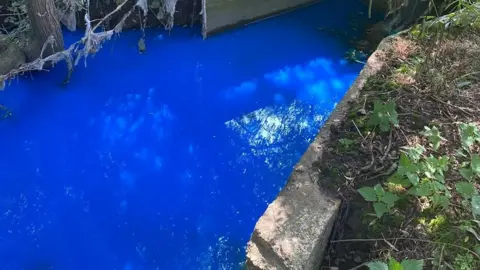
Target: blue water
point(163, 160)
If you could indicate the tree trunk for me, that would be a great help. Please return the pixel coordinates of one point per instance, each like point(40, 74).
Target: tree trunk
point(44, 23)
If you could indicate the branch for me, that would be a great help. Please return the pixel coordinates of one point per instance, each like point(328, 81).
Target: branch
point(91, 43)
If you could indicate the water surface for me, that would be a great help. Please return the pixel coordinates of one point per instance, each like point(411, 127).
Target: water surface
point(164, 160)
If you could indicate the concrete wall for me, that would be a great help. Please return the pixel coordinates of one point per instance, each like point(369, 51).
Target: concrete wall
point(222, 14)
point(295, 229)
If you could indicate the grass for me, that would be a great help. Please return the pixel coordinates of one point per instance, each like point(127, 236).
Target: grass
point(406, 161)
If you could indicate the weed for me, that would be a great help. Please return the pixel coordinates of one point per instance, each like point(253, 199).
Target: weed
point(383, 115)
point(433, 135)
point(422, 175)
point(395, 265)
point(382, 200)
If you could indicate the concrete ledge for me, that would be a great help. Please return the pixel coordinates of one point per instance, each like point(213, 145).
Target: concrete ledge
point(221, 15)
point(294, 230)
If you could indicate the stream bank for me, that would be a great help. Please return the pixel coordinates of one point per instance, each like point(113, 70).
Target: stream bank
point(404, 158)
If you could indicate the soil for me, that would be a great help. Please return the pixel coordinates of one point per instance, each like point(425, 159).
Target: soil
point(432, 82)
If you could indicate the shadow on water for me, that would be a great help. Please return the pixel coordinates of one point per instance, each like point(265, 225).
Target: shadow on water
point(164, 160)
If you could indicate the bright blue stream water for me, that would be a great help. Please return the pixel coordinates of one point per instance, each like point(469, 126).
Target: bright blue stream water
point(164, 160)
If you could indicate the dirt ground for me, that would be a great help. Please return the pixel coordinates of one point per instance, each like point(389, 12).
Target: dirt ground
point(433, 82)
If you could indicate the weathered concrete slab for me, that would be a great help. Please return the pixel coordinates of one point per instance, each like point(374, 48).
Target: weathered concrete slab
point(294, 230)
point(222, 14)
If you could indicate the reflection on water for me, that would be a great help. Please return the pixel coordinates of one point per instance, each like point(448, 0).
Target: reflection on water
point(163, 160)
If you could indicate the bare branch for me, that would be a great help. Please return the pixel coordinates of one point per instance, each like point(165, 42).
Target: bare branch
point(91, 43)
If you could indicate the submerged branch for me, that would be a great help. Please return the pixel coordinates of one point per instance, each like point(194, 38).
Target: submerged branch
point(90, 43)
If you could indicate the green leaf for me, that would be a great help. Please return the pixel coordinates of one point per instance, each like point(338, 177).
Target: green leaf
point(413, 178)
point(398, 179)
point(389, 199)
point(433, 135)
point(394, 265)
point(469, 133)
point(432, 166)
point(380, 209)
point(404, 160)
point(394, 118)
point(466, 173)
point(477, 249)
point(412, 264)
point(346, 142)
point(369, 194)
point(472, 231)
point(438, 186)
point(379, 190)
point(460, 153)
point(466, 189)
point(440, 200)
point(442, 163)
point(408, 169)
point(439, 177)
point(384, 126)
point(377, 266)
point(393, 115)
point(476, 205)
point(383, 115)
point(475, 164)
point(415, 152)
point(422, 189)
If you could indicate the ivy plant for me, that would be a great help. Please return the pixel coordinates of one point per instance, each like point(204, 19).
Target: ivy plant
point(469, 134)
point(423, 175)
point(383, 115)
point(383, 201)
point(433, 135)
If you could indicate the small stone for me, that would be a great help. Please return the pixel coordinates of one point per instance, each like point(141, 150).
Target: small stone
point(300, 168)
point(348, 174)
point(362, 112)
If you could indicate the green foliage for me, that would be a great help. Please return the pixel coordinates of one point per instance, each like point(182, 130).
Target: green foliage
point(469, 134)
point(466, 190)
point(383, 201)
point(383, 115)
point(464, 262)
point(462, 15)
point(433, 135)
point(346, 142)
point(345, 145)
point(423, 175)
point(395, 265)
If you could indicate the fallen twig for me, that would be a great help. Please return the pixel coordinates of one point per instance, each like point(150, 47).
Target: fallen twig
point(366, 168)
point(390, 170)
point(358, 130)
point(388, 147)
point(463, 109)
